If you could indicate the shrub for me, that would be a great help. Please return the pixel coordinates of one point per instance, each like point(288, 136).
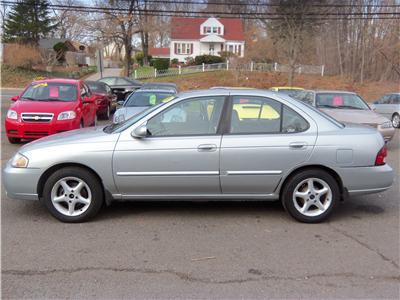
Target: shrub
point(174, 61)
point(140, 56)
point(160, 63)
point(23, 56)
point(208, 59)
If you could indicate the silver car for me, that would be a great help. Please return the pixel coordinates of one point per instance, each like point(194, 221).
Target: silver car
point(205, 145)
point(389, 106)
point(347, 107)
point(141, 100)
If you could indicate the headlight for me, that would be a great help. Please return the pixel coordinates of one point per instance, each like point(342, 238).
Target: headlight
point(119, 118)
point(19, 161)
point(67, 115)
point(386, 125)
point(12, 114)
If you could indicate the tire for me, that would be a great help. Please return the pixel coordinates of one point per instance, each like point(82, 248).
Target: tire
point(396, 121)
point(14, 140)
point(310, 205)
point(81, 125)
point(79, 205)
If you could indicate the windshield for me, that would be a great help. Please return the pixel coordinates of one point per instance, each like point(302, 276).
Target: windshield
point(128, 122)
point(51, 91)
point(141, 99)
point(340, 101)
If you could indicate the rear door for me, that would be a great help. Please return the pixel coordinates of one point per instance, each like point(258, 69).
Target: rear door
point(265, 139)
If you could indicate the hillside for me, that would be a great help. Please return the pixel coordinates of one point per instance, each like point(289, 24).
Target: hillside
point(370, 91)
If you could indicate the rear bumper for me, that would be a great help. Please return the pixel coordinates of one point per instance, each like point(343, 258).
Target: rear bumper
point(366, 180)
point(21, 183)
point(27, 130)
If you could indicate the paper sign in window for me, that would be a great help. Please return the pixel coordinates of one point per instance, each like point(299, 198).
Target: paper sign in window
point(54, 92)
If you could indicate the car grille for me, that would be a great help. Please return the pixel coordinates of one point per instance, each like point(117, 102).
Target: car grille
point(35, 133)
point(37, 117)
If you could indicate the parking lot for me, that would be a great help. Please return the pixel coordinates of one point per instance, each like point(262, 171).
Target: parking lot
point(202, 249)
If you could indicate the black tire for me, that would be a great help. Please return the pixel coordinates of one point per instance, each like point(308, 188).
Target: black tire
point(14, 140)
point(296, 179)
point(84, 175)
point(395, 120)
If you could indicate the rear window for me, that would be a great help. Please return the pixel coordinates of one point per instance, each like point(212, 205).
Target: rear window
point(340, 100)
point(142, 99)
point(51, 91)
point(97, 87)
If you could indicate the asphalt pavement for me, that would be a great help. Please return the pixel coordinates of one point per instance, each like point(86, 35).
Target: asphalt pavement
point(202, 250)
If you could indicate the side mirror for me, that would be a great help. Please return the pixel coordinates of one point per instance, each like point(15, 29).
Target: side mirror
point(140, 132)
point(14, 98)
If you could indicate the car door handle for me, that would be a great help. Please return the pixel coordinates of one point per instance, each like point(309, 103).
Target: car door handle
point(298, 145)
point(207, 147)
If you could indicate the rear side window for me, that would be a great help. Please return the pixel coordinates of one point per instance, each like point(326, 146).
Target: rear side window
point(264, 115)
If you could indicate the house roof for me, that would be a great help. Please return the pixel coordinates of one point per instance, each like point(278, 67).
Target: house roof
point(159, 51)
point(189, 28)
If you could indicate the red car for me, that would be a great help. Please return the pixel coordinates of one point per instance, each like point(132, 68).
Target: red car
point(105, 99)
point(50, 106)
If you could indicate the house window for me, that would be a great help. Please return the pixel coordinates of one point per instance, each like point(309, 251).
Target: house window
point(207, 29)
point(183, 48)
point(215, 30)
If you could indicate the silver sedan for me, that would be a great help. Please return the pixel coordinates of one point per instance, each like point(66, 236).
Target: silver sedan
point(205, 145)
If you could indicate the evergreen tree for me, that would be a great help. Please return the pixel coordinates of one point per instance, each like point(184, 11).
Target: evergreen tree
point(28, 22)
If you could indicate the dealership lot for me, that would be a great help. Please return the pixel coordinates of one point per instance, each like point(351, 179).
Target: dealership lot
point(222, 249)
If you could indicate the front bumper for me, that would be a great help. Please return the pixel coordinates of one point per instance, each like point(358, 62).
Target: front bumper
point(387, 133)
point(21, 183)
point(366, 180)
point(35, 130)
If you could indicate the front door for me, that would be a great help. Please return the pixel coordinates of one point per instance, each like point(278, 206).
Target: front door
point(265, 140)
point(179, 157)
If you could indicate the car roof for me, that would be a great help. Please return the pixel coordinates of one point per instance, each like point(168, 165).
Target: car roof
point(57, 80)
point(286, 88)
point(228, 91)
point(332, 91)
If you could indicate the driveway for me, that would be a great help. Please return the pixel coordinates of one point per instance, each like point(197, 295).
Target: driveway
point(106, 73)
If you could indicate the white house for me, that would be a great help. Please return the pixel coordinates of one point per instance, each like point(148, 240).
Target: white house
point(191, 37)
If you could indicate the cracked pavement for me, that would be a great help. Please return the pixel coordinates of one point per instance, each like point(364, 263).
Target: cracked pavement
point(157, 249)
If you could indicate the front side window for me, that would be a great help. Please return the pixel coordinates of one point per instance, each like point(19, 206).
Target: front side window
point(263, 115)
point(197, 116)
point(51, 91)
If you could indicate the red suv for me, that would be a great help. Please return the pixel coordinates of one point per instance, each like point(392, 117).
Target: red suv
point(50, 106)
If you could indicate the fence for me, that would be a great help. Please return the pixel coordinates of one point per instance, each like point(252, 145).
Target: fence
point(251, 67)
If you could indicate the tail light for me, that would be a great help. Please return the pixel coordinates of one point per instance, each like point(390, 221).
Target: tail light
point(381, 157)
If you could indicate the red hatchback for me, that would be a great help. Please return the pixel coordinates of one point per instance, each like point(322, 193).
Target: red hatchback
point(50, 106)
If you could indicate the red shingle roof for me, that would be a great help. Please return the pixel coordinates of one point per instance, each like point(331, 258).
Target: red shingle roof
point(189, 28)
point(159, 51)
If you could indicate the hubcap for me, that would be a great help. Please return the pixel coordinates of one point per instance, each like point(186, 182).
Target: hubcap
point(71, 196)
point(312, 197)
point(396, 121)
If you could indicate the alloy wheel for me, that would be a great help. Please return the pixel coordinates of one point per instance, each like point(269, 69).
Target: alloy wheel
point(396, 121)
point(71, 196)
point(312, 197)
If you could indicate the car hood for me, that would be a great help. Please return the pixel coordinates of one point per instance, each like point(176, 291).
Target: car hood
point(130, 111)
point(355, 116)
point(78, 137)
point(43, 106)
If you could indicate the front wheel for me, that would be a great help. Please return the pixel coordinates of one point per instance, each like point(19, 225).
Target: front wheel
point(311, 195)
point(73, 195)
point(396, 121)
point(14, 140)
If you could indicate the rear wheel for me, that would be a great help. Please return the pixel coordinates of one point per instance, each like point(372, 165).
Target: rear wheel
point(311, 195)
point(396, 121)
point(73, 195)
point(14, 140)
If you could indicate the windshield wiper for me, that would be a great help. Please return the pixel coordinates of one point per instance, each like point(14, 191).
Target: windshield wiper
point(349, 106)
point(29, 98)
point(327, 106)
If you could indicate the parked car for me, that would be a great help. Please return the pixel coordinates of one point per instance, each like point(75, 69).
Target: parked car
point(160, 86)
point(199, 146)
point(105, 99)
point(347, 107)
point(121, 86)
point(288, 90)
point(50, 106)
point(139, 101)
point(389, 106)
